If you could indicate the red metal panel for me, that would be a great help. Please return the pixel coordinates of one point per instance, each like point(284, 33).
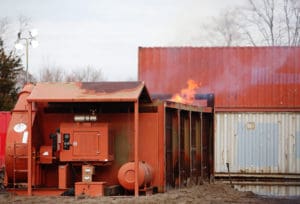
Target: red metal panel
point(240, 77)
point(4, 120)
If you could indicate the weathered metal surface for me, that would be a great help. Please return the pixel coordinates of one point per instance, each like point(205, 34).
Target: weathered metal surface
point(257, 143)
point(4, 121)
point(136, 129)
point(187, 145)
point(188, 107)
point(89, 92)
point(240, 77)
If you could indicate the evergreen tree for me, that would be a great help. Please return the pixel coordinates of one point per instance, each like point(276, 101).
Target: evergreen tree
point(10, 66)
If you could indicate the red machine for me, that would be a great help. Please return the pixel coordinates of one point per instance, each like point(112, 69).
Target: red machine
point(91, 137)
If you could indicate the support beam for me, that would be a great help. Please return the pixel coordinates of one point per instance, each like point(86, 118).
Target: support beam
point(201, 145)
point(179, 148)
point(29, 150)
point(191, 146)
point(136, 148)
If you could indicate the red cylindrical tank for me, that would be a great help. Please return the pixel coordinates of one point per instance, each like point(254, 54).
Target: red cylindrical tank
point(17, 133)
point(126, 175)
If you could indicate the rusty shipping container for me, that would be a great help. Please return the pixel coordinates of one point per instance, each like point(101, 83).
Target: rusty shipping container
point(240, 77)
point(256, 103)
point(4, 120)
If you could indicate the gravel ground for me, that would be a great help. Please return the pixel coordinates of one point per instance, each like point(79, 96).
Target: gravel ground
point(206, 193)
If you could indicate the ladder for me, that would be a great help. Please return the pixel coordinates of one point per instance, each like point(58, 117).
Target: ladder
point(20, 158)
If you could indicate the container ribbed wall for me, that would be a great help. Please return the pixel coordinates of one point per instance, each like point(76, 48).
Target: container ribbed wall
point(239, 77)
point(257, 142)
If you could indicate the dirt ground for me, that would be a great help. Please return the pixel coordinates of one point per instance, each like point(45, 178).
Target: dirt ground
point(206, 193)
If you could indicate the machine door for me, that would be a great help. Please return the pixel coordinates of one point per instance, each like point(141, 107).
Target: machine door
point(86, 144)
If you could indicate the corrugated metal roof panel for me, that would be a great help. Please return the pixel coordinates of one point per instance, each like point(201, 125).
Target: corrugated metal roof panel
point(240, 77)
point(90, 92)
point(257, 143)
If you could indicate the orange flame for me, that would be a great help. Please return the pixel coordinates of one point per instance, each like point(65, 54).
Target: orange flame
point(187, 95)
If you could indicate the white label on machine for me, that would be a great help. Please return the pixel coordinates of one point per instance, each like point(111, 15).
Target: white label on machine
point(20, 127)
point(45, 153)
point(25, 137)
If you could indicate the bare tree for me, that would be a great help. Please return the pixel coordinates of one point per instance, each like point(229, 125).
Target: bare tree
point(51, 74)
point(224, 29)
point(4, 25)
point(87, 74)
point(291, 10)
point(24, 23)
point(259, 22)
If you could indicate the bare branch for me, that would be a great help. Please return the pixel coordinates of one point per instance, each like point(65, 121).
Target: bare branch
point(87, 74)
point(24, 23)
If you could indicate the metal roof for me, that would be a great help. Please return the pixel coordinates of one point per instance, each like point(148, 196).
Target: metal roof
point(90, 92)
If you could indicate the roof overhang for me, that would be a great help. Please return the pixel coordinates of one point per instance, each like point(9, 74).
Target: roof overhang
point(90, 92)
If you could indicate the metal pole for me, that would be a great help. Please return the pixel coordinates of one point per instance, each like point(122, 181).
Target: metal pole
point(27, 44)
point(29, 150)
point(136, 148)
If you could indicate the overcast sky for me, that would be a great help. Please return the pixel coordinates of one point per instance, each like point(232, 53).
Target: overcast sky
point(107, 34)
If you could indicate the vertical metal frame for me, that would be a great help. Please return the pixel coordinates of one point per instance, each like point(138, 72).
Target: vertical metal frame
point(201, 145)
point(179, 148)
point(136, 147)
point(191, 148)
point(29, 150)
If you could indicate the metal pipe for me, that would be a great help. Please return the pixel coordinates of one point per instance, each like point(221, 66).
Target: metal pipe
point(228, 168)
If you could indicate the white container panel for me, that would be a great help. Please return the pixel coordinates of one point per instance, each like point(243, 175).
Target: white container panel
point(257, 142)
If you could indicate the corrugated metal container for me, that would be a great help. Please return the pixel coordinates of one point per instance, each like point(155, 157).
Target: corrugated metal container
point(240, 77)
point(263, 143)
point(4, 120)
